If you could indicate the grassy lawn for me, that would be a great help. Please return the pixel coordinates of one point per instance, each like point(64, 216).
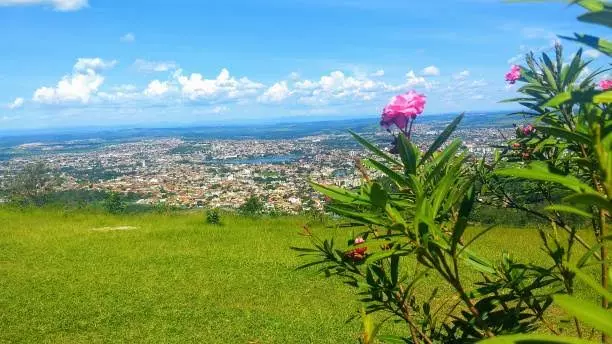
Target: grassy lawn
point(69, 278)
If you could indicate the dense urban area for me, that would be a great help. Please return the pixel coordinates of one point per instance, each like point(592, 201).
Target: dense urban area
point(219, 173)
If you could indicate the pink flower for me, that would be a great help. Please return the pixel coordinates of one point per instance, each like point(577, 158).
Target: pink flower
point(403, 108)
point(528, 130)
point(605, 84)
point(359, 240)
point(514, 74)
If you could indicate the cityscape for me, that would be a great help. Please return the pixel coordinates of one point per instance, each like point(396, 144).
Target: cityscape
point(191, 172)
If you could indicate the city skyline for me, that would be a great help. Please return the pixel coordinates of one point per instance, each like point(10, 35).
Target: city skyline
point(75, 63)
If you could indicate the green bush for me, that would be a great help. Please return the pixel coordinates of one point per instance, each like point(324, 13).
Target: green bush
point(114, 204)
point(213, 217)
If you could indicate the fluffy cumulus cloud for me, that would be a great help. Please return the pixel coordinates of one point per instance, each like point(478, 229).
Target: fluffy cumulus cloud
point(412, 80)
point(17, 103)
point(154, 66)
point(80, 86)
point(431, 71)
point(196, 86)
point(157, 88)
point(128, 38)
point(59, 5)
point(95, 64)
point(276, 93)
point(336, 90)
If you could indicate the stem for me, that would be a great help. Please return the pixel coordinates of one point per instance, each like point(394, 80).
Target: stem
point(408, 317)
point(410, 129)
point(604, 266)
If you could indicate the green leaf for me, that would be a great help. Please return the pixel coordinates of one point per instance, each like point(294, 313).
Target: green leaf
point(362, 217)
point(378, 196)
point(599, 17)
point(568, 209)
point(396, 177)
point(593, 315)
point(594, 42)
point(338, 194)
point(464, 214)
point(408, 154)
point(442, 138)
point(570, 136)
point(590, 282)
point(603, 98)
point(590, 199)
point(374, 149)
point(537, 171)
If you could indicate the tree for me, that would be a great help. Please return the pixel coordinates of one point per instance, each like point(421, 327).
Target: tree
point(252, 206)
point(34, 181)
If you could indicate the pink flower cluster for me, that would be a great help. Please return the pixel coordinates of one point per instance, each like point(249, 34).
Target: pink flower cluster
point(605, 84)
point(528, 130)
point(514, 74)
point(402, 109)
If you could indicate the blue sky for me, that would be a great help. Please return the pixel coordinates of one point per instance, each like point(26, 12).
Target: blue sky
point(67, 63)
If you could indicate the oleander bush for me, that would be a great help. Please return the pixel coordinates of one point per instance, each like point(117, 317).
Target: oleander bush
point(562, 157)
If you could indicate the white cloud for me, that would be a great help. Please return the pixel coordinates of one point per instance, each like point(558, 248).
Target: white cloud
point(59, 5)
point(412, 80)
point(128, 38)
point(431, 71)
point(17, 103)
point(478, 97)
point(592, 53)
point(220, 109)
point(84, 64)
point(276, 93)
point(157, 88)
point(378, 73)
point(77, 87)
point(154, 66)
point(462, 75)
point(294, 76)
point(478, 83)
point(525, 50)
point(196, 86)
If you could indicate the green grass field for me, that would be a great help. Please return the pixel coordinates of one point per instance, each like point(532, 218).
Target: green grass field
point(70, 278)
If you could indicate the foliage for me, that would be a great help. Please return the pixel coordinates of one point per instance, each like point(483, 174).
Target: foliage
point(30, 184)
point(558, 170)
point(252, 206)
point(114, 203)
point(213, 217)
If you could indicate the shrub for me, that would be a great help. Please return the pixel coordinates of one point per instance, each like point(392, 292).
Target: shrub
point(114, 204)
point(252, 206)
point(213, 217)
point(556, 169)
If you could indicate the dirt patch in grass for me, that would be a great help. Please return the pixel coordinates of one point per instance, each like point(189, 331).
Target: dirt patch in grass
point(111, 229)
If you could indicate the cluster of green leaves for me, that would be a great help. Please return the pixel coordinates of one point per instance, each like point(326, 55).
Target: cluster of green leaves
point(114, 203)
point(252, 206)
point(570, 150)
point(213, 217)
point(422, 220)
point(421, 212)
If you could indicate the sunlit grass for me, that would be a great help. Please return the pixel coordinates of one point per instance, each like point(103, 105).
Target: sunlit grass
point(82, 277)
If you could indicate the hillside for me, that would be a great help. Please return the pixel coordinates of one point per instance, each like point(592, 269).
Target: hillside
point(81, 277)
